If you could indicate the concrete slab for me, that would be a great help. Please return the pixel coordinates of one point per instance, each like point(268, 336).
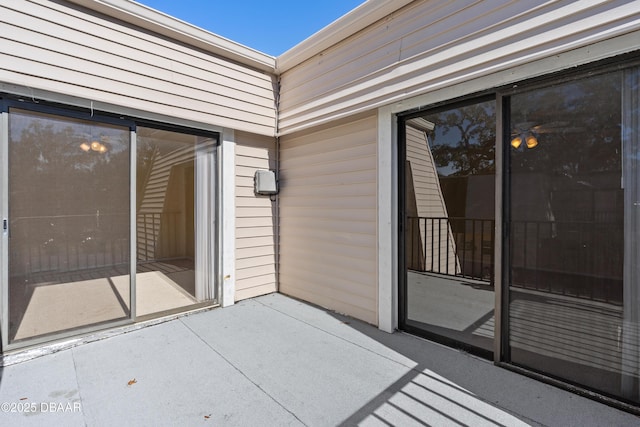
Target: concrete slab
point(320, 377)
point(532, 401)
point(331, 323)
point(275, 361)
point(41, 392)
point(166, 375)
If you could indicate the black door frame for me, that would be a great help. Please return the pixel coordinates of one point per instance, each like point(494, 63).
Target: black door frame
point(402, 118)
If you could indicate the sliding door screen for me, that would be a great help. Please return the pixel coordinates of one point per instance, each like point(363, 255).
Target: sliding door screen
point(68, 224)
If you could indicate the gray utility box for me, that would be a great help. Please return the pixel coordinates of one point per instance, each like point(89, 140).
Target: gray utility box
point(265, 182)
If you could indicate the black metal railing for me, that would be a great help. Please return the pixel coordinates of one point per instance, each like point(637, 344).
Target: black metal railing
point(582, 259)
point(451, 246)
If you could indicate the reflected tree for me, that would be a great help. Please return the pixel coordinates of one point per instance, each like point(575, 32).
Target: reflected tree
point(61, 192)
point(463, 140)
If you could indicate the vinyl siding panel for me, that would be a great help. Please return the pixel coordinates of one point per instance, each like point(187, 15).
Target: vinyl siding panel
point(255, 218)
point(252, 252)
point(425, 200)
point(63, 48)
point(434, 44)
point(424, 176)
point(328, 222)
point(254, 291)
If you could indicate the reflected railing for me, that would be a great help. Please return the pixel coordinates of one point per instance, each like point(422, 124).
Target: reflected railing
point(46, 245)
point(581, 259)
point(60, 244)
point(452, 246)
point(159, 235)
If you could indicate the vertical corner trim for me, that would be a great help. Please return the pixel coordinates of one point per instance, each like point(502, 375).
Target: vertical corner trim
point(227, 273)
point(387, 218)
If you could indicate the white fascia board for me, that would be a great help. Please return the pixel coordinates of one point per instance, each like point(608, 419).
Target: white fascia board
point(421, 124)
point(145, 17)
point(358, 19)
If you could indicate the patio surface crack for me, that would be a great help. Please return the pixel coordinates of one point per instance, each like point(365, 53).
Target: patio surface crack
point(243, 374)
point(75, 371)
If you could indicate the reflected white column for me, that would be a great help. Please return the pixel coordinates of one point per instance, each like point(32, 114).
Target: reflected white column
point(205, 182)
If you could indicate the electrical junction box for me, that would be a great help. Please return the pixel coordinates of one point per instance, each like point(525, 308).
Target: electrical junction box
point(265, 182)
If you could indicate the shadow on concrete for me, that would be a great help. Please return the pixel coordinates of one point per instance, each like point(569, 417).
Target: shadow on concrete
point(439, 390)
point(451, 387)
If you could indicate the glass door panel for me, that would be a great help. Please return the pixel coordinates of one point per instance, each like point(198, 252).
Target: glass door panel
point(573, 306)
point(175, 220)
point(69, 228)
point(449, 223)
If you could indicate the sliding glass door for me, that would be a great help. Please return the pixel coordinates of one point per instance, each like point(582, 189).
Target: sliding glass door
point(104, 222)
point(68, 224)
point(573, 221)
point(175, 220)
point(567, 236)
point(449, 221)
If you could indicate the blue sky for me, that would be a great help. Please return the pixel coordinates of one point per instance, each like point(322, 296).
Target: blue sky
point(270, 26)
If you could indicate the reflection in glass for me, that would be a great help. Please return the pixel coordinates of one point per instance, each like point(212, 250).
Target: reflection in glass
point(69, 224)
point(449, 205)
point(571, 315)
point(175, 220)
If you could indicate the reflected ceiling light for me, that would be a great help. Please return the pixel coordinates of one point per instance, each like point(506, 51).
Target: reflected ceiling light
point(93, 142)
point(528, 137)
point(94, 146)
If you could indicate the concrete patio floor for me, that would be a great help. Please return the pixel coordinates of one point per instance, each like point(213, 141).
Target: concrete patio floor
point(276, 361)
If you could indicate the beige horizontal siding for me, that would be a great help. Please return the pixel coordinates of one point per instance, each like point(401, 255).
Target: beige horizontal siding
point(328, 225)
point(60, 47)
point(254, 291)
point(424, 199)
point(433, 44)
point(252, 252)
point(429, 201)
point(255, 218)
